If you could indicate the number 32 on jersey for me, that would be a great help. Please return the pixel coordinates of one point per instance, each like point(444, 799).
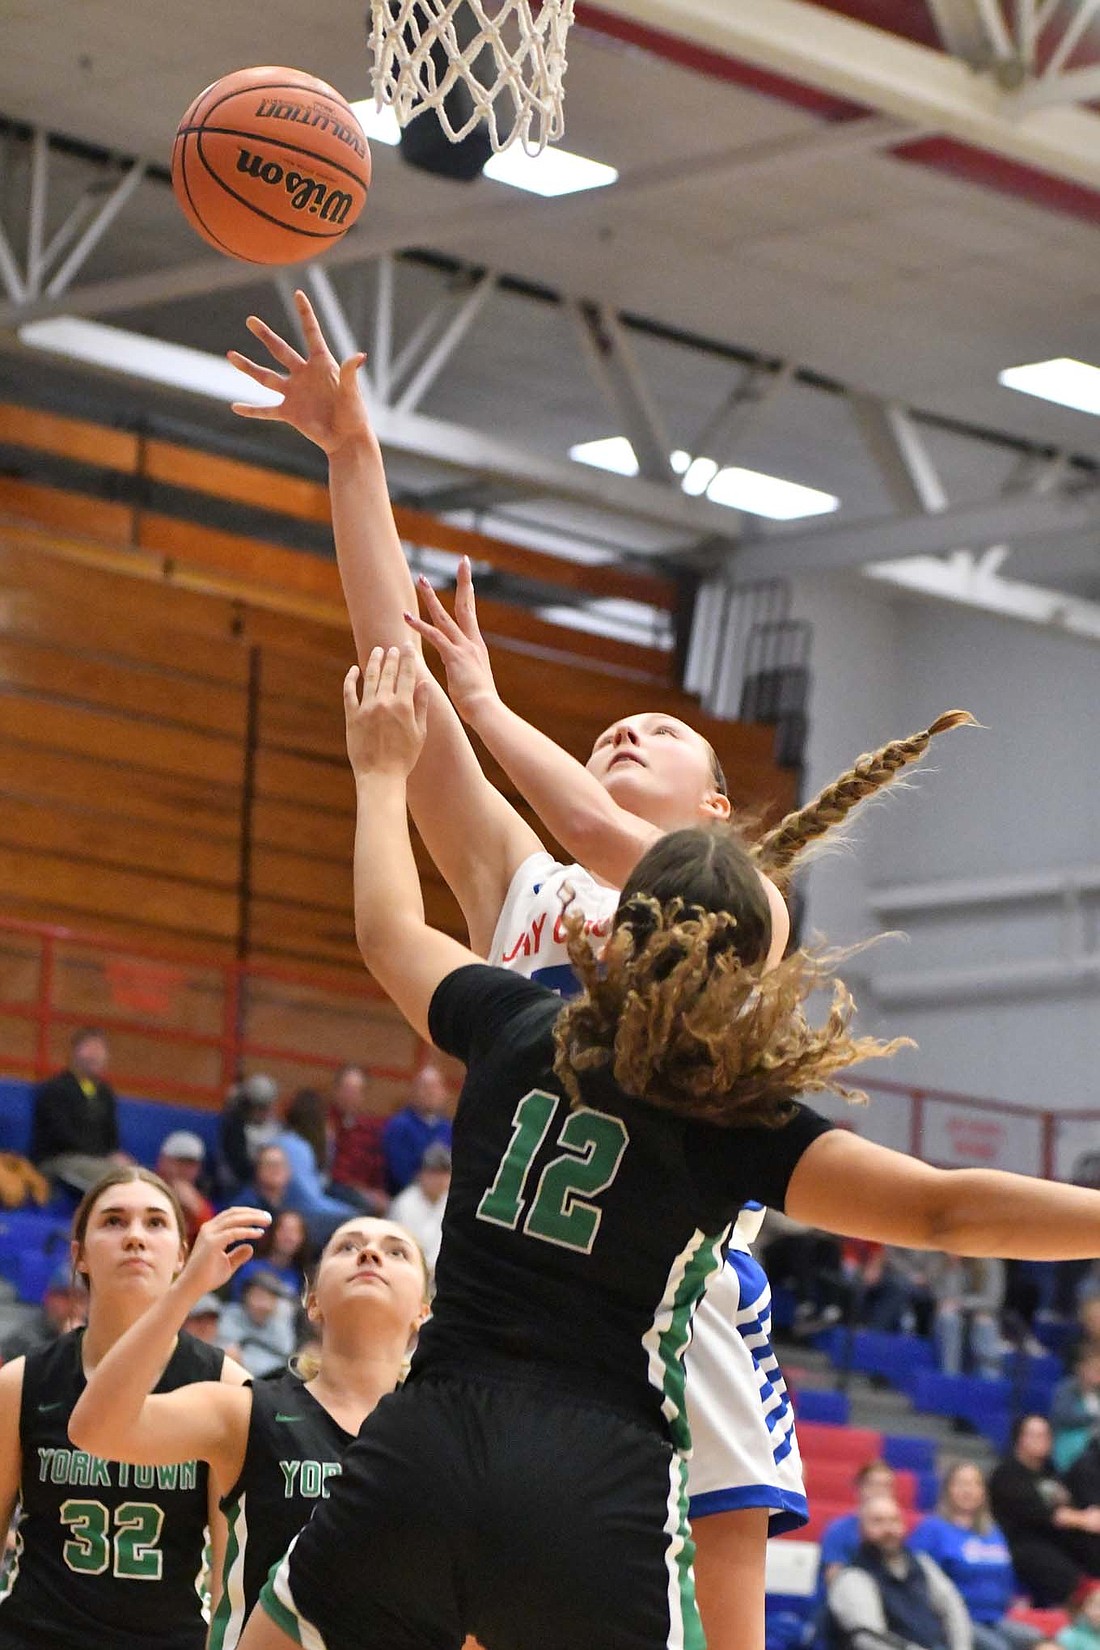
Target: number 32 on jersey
point(562, 1209)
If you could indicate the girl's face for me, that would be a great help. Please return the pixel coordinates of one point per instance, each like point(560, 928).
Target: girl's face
point(289, 1234)
point(132, 1244)
point(1034, 1443)
point(373, 1264)
point(660, 769)
point(966, 1491)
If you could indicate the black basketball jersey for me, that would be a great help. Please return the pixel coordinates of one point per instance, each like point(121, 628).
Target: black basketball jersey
point(107, 1554)
point(293, 1450)
point(578, 1242)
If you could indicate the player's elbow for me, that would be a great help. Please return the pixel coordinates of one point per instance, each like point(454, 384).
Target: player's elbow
point(91, 1435)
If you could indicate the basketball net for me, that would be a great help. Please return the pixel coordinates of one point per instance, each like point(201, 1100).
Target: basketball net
point(507, 55)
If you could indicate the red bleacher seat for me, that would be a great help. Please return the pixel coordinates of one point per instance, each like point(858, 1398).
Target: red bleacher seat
point(829, 1480)
point(819, 1441)
point(1047, 1622)
point(821, 1513)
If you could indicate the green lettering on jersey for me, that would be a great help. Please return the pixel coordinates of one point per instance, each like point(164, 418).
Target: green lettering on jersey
point(290, 1473)
point(101, 1472)
point(167, 1477)
point(329, 1469)
point(562, 1210)
point(45, 1457)
point(188, 1474)
point(79, 1467)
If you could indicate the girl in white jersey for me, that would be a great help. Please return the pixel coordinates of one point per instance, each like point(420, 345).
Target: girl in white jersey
point(647, 775)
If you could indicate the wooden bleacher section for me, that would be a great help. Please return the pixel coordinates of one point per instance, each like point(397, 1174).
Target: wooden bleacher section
point(171, 731)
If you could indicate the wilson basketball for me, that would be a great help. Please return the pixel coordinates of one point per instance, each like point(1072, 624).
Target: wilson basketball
point(270, 165)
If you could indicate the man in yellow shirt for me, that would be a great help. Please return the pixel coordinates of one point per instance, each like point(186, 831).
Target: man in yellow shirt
point(74, 1134)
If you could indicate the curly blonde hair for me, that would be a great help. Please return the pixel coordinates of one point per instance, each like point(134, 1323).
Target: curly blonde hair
point(679, 1007)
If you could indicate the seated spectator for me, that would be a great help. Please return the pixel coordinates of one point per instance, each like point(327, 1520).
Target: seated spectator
point(1054, 1545)
point(62, 1309)
point(1087, 1331)
point(1075, 1408)
point(247, 1124)
point(409, 1132)
point(179, 1164)
point(1083, 1632)
point(968, 1296)
point(841, 1538)
point(419, 1208)
point(258, 1330)
point(285, 1250)
point(891, 1593)
point(304, 1141)
point(358, 1164)
point(204, 1318)
point(972, 1552)
point(74, 1131)
point(270, 1185)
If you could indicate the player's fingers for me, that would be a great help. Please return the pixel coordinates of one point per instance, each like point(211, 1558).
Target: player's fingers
point(421, 694)
point(372, 673)
point(465, 604)
point(437, 612)
point(408, 660)
point(350, 367)
point(351, 690)
point(283, 352)
point(249, 409)
point(310, 325)
point(390, 664)
point(239, 1256)
point(266, 376)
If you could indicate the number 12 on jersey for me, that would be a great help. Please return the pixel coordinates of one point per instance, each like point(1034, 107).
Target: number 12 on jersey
point(561, 1210)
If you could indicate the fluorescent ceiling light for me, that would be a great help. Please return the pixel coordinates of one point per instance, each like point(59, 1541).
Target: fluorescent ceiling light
point(1068, 382)
point(613, 453)
point(764, 495)
point(554, 172)
point(131, 352)
point(380, 124)
point(749, 490)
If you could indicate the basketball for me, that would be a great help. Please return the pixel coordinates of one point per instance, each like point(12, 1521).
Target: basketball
point(270, 165)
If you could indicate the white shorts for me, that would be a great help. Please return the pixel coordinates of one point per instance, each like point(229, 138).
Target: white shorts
point(744, 1452)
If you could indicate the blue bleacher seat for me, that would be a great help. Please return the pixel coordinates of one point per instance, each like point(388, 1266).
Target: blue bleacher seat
point(786, 1617)
point(143, 1124)
point(918, 1454)
point(814, 1404)
point(15, 1116)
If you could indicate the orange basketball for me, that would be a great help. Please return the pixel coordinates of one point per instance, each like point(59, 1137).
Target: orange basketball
point(270, 165)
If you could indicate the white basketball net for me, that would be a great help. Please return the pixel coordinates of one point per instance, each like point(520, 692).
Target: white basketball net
point(508, 54)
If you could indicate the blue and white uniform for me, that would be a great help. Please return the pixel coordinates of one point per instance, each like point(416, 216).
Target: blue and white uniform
point(744, 1451)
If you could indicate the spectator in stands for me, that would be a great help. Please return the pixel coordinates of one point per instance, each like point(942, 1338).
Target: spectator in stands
point(247, 1124)
point(1075, 1408)
point(419, 1208)
point(841, 1538)
point(303, 1138)
point(973, 1553)
point(891, 1593)
point(285, 1250)
point(1088, 1329)
point(62, 1309)
point(1083, 1632)
point(969, 1295)
point(204, 1318)
point(74, 1132)
point(258, 1330)
point(1055, 1546)
point(270, 1185)
point(422, 1123)
point(179, 1164)
point(358, 1163)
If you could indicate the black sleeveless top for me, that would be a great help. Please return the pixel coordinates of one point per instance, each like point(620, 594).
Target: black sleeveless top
point(94, 1534)
point(293, 1450)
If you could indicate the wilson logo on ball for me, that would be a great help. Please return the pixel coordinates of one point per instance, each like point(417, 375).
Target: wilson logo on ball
point(306, 194)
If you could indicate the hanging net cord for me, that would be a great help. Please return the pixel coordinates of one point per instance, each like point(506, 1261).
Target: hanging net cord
point(509, 56)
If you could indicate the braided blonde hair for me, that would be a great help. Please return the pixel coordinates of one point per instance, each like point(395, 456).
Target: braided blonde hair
point(777, 850)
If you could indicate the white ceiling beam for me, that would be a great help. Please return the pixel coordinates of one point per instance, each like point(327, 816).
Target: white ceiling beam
point(1075, 86)
point(615, 369)
point(880, 71)
point(971, 583)
point(429, 369)
point(827, 549)
point(899, 454)
point(974, 30)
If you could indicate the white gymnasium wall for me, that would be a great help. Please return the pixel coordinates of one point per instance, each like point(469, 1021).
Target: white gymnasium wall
point(1022, 796)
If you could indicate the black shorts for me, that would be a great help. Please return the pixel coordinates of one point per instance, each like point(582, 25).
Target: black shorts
point(498, 1509)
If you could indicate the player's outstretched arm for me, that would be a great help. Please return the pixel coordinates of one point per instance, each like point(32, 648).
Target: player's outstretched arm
point(474, 835)
point(11, 1454)
point(118, 1415)
point(603, 837)
point(852, 1187)
point(386, 729)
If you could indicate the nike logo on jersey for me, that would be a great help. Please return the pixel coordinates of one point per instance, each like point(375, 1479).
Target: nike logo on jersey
point(288, 1417)
point(45, 1409)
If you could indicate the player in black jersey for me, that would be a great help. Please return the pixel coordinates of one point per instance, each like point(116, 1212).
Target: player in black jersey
point(526, 1484)
point(272, 1447)
point(106, 1553)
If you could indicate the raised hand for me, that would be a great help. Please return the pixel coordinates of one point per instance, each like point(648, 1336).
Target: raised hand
point(386, 727)
point(222, 1247)
point(321, 398)
point(458, 641)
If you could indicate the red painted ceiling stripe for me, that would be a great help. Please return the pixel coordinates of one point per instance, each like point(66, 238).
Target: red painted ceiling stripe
point(956, 159)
